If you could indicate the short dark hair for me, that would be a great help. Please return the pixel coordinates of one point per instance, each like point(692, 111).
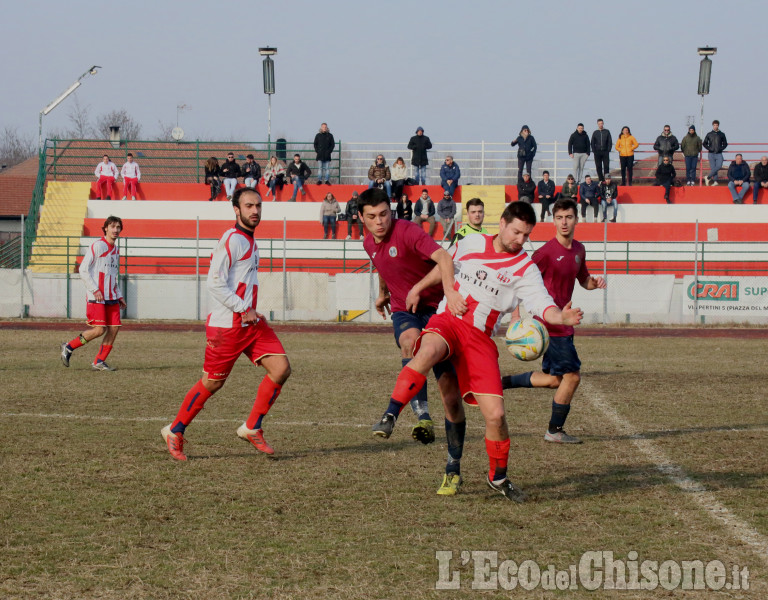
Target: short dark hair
point(715, 121)
point(425, 190)
point(475, 202)
point(565, 204)
point(111, 219)
point(372, 197)
point(107, 155)
point(545, 173)
point(738, 156)
point(129, 154)
point(239, 192)
point(580, 125)
point(600, 119)
point(665, 126)
point(295, 155)
point(249, 156)
point(519, 210)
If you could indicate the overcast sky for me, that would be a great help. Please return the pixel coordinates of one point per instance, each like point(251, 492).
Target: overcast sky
point(374, 71)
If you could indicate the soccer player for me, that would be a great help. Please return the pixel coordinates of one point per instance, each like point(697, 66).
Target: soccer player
point(474, 224)
point(403, 254)
point(234, 328)
point(562, 262)
point(493, 274)
point(99, 272)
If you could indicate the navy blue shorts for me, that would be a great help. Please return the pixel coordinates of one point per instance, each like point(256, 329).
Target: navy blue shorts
point(561, 357)
point(403, 320)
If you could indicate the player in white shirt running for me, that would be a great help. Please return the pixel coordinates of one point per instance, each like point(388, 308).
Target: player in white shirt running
point(131, 174)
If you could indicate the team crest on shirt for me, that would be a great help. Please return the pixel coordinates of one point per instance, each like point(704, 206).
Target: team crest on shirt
point(481, 275)
point(503, 276)
point(393, 251)
point(578, 259)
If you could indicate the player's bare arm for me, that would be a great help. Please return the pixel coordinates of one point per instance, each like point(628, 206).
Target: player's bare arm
point(456, 303)
point(382, 302)
point(566, 316)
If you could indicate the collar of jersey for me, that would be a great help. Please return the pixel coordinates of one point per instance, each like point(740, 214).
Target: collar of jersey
point(242, 230)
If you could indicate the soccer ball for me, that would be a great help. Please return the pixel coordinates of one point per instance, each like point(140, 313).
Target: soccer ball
point(527, 339)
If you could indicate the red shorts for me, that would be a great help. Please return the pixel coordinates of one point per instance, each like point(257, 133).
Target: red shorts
point(224, 345)
point(473, 354)
point(100, 314)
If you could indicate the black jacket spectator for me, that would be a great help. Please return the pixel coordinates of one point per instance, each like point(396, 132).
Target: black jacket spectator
point(760, 173)
point(738, 172)
point(302, 170)
point(715, 141)
point(601, 141)
point(546, 188)
point(526, 147)
point(419, 145)
point(607, 191)
point(324, 146)
point(210, 173)
point(405, 209)
point(578, 143)
point(252, 170)
point(526, 189)
point(230, 169)
point(665, 172)
point(418, 208)
point(666, 145)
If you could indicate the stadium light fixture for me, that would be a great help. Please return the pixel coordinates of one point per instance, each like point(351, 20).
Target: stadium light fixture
point(59, 100)
point(269, 87)
point(705, 76)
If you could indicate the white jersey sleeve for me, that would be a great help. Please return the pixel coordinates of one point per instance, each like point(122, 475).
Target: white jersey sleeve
point(99, 271)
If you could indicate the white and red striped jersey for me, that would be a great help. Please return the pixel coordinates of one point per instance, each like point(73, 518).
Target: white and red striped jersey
point(99, 270)
point(233, 282)
point(108, 170)
point(494, 283)
point(130, 169)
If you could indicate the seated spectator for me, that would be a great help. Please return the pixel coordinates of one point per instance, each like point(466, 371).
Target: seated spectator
point(379, 175)
point(446, 211)
point(404, 208)
point(570, 189)
point(608, 197)
point(665, 176)
point(738, 176)
point(449, 175)
point(328, 210)
point(213, 176)
point(274, 175)
point(547, 194)
point(666, 144)
point(131, 174)
point(251, 172)
point(760, 174)
point(589, 197)
point(353, 216)
point(399, 174)
point(526, 189)
point(298, 172)
point(230, 171)
point(424, 210)
point(106, 173)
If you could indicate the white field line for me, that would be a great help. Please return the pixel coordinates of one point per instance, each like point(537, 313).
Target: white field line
point(706, 500)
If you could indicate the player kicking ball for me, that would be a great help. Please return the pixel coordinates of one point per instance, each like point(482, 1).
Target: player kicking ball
point(493, 274)
point(562, 262)
point(234, 328)
point(99, 272)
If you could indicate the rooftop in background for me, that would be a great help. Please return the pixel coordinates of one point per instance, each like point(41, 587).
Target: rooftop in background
point(16, 186)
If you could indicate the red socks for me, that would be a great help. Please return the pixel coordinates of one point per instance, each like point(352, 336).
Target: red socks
point(265, 398)
point(193, 403)
point(498, 454)
point(104, 351)
point(77, 342)
point(409, 382)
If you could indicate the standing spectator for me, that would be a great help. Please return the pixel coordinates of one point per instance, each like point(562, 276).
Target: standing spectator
point(106, 173)
point(547, 195)
point(213, 176)
point(665, 176)
point(131, 174)
point(666, 144)
point(589, 191)
point(324, 146)
point(274, 175)
point(251, 172)
point(379, 175)
point(424, 210)
point(404, 208)
point(608, 193)
point(760, 174)
point(399, 174)
point(418, 145)
point(230, 171)
point(526, 150)
point(328, 211)
point(691, 147)
point(299, 172)
point(449, 175)
point(353, 216)
point(626, 145)
point(578, 150)
point(602, 142)
point(526, 189)
point(446, 211)
point(715, 142)
point(570, 189)
point(738, 176)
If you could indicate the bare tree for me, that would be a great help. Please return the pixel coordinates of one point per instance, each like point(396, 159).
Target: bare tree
point(15, 147)
point(165, 130)
point(130, 129)
point(80, 118)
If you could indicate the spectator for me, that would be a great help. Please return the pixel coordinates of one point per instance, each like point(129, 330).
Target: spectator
point(691, 146)
point(474, 224)
point(418, 145)
point(626, 145)
point(399, 174)
point(760, 175)
point(213, 176)
point(526, 189)
point(446, 211)
point(570, 189)
point(274, 175)
point(106, 173)
point(251, 172)
point(738, 176)
point(449, 175)
point(131, 174)
point(715, 142)
point(404, 208)
point(526, 150)
point(379, 175)
point(353, 216)
point(602, 142)
point(608, 193)
point(324, 146)
point(230, 171)
point(578, 150)
point(424, 210)
point(589, 197)
point(299, 172)
point(666, 144)
point(547, 195)
point(665, 176)
point(329, 208)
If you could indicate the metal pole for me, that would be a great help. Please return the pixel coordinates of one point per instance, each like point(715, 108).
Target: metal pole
point(21, 312)
point(197, 266)
point(69, 299)
point(269, 120)
point(285, 258)
point(696, 275)
point(482, 162)
point(605, 265)
point(701, 128)
point(554, 169)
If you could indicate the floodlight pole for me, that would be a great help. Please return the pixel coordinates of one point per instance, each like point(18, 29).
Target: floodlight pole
point(269, 88)
point(59, 100)
point(705, 76)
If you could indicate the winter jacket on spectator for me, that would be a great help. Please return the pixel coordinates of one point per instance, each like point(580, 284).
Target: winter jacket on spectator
point(419, 145)
point(607, 191)
point(665, 172)
point(130, 169)
point(666, 145)
point(379, 172)
point(420, 206)
point(399, 172)
point(301, 170)
point(209, 173)
point(329, 208)
point(588, 190)
point(526, 188)
point(446, 208)
point(324, 145)
point(578, 143)
point(715, 142)
point(526, 147)
point(738, 172)
point(271, 171)
point(352, 208)
point(107, 170)
point(602, 140)
point(691, 145)
point(404, 209)
point(626, 145)
point(546, 188)
point(252, 170)
point(230, 169)
point(760, 173)
point(453, 173)
point(569, 190)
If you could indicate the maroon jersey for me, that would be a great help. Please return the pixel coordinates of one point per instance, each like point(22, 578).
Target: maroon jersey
point(402, 260)
point(560, 268)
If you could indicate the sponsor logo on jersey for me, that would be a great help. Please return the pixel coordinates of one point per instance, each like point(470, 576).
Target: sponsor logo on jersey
point(559, 258)
point(503, 276)
point(393, 251)
point(480, 283)
point(481, 275)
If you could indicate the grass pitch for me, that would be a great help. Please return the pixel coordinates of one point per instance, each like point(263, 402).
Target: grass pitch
point(92, 505)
